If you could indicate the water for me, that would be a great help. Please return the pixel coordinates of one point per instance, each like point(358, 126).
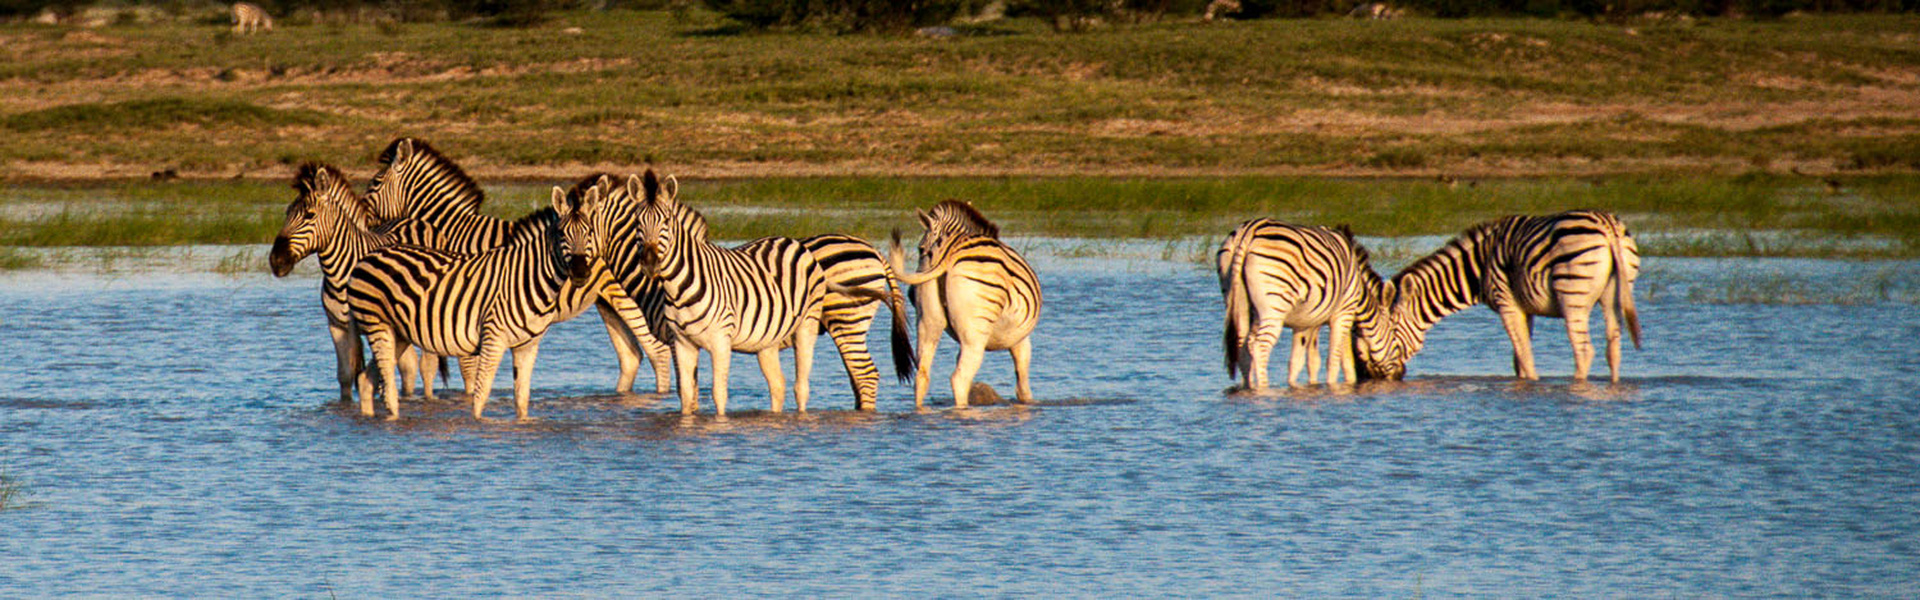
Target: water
point(178, 435)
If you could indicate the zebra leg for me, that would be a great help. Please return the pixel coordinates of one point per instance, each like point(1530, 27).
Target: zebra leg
point(686, 358)
point(429, 363)
point(930, 330)
point(1579, 334)
point(776, 382)
point(1260, 342)
point(722, 352)
point(1022, 359)
point(523, 356)
point(478, 371)
point(1613, 334)
point(347, 358)
point(803, 340)
point(626, 346)
point(971, 353)
point(409, 369)
point(1305, 354)
point(851, 340)
point(1340, 349)
point(382, 343)
point(1520, 332)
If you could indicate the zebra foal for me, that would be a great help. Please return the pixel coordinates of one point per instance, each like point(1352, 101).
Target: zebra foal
point(1556, 265)
point(973, 288)
point(477, 307)
point(1275, 275)
point(327, 220)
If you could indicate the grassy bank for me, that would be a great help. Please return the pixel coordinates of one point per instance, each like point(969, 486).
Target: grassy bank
point(1869, 216)
point(1510, 97)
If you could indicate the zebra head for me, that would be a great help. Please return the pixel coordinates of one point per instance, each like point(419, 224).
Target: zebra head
point(324, 204)
point(664, 224)
point(1379, 352)
point(577, 231)
point(418, 181)
point(951, 221)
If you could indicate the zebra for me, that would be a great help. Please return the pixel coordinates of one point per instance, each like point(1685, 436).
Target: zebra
point(417, 181)
point(975, 289)
point(250, 18)
point(475, 307)
point(327, 220)
point(1219, 9)
point(760, 297)
point(1553, 266)
point(1275, 275)
point(848, 262)
point(1374, 10)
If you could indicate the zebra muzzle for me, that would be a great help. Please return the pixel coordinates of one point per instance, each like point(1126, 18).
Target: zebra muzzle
point(579, 267)
point(282, 258)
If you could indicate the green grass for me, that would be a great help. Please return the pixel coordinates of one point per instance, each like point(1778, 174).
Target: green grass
point(13, 492)
point(1866, 217)
point(1505, 97)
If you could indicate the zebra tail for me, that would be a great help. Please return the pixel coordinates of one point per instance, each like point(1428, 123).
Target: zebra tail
point(905, 362)
point(1623, 291)
point(1236, 292)
point(443, 366)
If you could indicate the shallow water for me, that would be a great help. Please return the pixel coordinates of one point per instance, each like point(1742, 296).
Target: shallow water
point(179, 439)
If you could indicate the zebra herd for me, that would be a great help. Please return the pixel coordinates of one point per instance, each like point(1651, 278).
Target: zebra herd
point(412, 264)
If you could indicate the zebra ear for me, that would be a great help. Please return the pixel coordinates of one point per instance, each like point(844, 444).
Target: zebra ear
point(633, 187)
point(560, 201)
point(404, 151)
point(926, 220)
point(671, 187)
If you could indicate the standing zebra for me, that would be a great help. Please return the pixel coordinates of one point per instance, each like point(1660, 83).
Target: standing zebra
point(419, 182)
point(1275, 275)
point(249, 18)
point(850, 262)
point(757, 298)
point(475, 307)
point(1553, 266)
point(974, 288)
point(326, 219)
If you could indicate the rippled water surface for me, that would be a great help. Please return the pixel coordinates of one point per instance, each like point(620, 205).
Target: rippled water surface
point(178, 438)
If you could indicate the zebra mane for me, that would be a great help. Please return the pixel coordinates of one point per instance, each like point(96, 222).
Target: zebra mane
point(466, 189)
point(531, 226)
point(965, 215)
point(1360, 254)
point(579, 189)
point(307, 178)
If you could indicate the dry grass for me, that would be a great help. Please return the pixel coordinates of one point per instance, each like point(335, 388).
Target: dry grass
point(1474, 98)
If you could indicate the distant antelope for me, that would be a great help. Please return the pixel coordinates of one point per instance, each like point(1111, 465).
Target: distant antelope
point(249, 17)
point(1220, 9)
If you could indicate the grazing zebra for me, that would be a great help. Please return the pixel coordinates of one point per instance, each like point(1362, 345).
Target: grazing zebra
point(851, 262)
point(418, 182)
point(1275, 275)
point(1551, 266)
point(760, 297)
point(326, 220)
point(974, 288)
point(1218, 9)
point(249, 18)
point(475, 307)
point(1374, 10)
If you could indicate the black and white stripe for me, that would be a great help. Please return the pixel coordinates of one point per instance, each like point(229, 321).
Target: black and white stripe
point(757, 298)
point(850, 263)
point(1552, 266)
point(326, 220)
point(418, 182)
point(475, 307)
point(975, 288)
point(1275, 275)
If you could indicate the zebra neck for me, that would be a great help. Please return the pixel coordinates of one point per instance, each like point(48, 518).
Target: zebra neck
point(1445, 282)
point(349, 245)
point(682, 271)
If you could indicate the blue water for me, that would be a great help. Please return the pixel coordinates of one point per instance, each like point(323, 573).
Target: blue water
point(178, 438)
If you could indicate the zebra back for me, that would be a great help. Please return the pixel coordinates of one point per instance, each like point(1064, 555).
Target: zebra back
point(1324, 267)
point(851, 262)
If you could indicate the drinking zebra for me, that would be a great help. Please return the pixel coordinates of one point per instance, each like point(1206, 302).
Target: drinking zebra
point(419, 182)
point(475, 307)
point(1553, 266)
point(250, 18)
point(326, 220)
point(974, 288)
point(760, 297)
point(1275, 275)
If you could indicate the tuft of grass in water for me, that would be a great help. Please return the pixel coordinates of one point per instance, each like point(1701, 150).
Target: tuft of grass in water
point(13, 491)
point(239, 262)
point(16, 259)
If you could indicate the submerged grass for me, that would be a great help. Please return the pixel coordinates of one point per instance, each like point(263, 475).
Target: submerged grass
point(1675, 216)
point(13, 491)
